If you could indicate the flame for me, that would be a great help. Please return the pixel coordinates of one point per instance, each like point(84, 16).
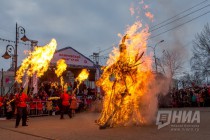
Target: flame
point(149, 15)
point(62, 81)
point(132, 10)
point(82, 76)
point(37, 62)
point(54, 84)
point(26, 52)
point(145, 11)
point(60, 68)
point(126, 79)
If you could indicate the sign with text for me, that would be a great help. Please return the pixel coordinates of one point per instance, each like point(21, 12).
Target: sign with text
point(71, 57)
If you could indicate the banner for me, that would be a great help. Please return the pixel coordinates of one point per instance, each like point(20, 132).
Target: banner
point(72, 57)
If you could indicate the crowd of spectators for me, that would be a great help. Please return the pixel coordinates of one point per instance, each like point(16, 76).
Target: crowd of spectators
point(45, 101)
point(191, 97)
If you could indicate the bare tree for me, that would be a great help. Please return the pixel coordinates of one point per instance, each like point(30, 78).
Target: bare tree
point(200, 62)
point(187, 80)
point(170, 64)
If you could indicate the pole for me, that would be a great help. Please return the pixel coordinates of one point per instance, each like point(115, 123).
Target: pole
point(155, 53)
point(155, 60)
point(2, 86)
point(97, 74)
point(15, 59)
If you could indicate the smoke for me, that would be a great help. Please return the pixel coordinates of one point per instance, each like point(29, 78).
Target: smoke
point(149, 101)
point(177, 39)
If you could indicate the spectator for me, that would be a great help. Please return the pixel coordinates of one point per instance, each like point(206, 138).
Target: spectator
point(74, 104)
point(194, 101)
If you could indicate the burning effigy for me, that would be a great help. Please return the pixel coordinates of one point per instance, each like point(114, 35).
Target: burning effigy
point(128, 82)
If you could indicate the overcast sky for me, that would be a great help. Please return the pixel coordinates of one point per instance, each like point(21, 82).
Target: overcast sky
point(92, 25)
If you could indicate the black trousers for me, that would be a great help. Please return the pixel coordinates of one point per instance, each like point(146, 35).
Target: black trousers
point(65, 109)
point(21, 113)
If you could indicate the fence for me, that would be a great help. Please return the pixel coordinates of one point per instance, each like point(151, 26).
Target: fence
point(40, 108)
point(34, 108)
point(45, 108)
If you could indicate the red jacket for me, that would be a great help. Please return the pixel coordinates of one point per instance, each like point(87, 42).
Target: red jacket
point(65, 99)
point(21, 99)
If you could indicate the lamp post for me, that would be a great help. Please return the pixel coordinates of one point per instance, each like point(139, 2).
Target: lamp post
point(154, 48)
point(19, 30)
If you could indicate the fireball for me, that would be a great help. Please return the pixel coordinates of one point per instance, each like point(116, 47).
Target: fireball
point(60, 68)
point(82, 76)
point(37, 62)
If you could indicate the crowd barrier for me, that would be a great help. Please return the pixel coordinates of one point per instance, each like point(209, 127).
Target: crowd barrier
point(40, 108)
point(44, 108)
point(34, 108)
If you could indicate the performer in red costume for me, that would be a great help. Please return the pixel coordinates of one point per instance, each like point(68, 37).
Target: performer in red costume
point(65, 104)
point(20, 100)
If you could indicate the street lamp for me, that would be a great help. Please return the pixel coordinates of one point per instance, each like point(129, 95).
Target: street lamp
point(155, 53)
point(7, 54)
point(9, 48)
point(19, 30)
